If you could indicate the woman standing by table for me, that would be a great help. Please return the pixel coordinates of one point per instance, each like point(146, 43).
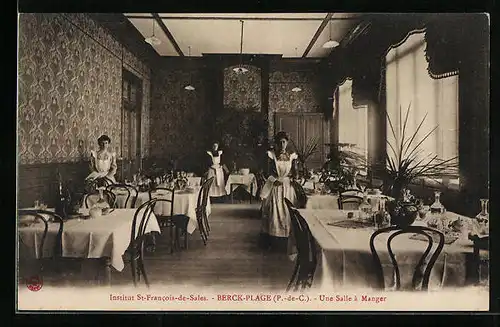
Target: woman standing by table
point(218, 187)
point(276, 223)
point(103, 161)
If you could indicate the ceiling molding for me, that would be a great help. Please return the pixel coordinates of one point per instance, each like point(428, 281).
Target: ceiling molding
point(317, 34)
point(169, 35)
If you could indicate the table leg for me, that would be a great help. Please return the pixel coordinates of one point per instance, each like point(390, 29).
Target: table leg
point(107, 271)
point(251, 193)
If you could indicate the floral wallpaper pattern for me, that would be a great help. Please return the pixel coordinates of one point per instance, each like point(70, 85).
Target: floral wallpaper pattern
point(242, 91)
point(178, 116)
point(69, 91)
point(282, 99)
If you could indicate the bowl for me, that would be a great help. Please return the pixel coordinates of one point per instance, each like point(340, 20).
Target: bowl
point(402, 214)
point(244, 171)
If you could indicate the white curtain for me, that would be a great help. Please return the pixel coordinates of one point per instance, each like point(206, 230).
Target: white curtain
point(353, 122)
point(409, 84)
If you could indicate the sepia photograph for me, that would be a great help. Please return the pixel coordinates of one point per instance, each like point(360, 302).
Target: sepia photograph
point(315, 161)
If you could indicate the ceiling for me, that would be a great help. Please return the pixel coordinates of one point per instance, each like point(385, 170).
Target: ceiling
point(292, 35)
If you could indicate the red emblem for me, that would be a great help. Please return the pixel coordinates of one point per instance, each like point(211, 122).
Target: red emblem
point(34, 283)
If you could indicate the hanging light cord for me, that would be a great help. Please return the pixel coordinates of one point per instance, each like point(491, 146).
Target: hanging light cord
point(241, 38)
point(241, 44)
point(330, 28)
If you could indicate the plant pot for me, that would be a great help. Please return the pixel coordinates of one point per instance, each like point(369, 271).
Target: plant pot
point(403, 214)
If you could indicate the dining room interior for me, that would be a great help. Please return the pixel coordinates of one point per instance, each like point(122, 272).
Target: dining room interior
point(278, 152)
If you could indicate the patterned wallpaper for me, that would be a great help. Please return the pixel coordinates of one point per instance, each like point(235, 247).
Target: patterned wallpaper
point(282, 99)
point(70, 72)
point(242, 91)
point(178, 116)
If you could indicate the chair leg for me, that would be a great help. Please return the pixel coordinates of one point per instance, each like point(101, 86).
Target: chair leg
point(294, 275)
point(202, 232)
point(177, 238)
point(207, 225)
point(133, 265)
point(172, 238)
point(185, 239)
point(141, 266)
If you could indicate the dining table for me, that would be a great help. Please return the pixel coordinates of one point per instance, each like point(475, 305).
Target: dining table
point(317, 200)
point(248, 182)
point(346, 261)
point(106, 237)
point(185, 203)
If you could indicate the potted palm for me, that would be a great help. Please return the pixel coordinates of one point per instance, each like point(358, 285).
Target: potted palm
point(343, 164)
point(304, 152)
point(406, 164)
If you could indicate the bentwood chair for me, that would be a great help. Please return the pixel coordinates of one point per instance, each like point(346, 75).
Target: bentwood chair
point(349, 202)
point(130, 191)
point(201, 214)
point(138, 239)
point(201, 210)
point(300, 193)
point(420, 277)
point(306, 262)
point(166, 218)
point(92, 185)
point(480, 258)
point(45, 217)
point(92, 198)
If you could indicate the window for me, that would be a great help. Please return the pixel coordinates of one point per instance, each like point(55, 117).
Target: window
point(131, 115)
point(409, 84)
point(353, 122)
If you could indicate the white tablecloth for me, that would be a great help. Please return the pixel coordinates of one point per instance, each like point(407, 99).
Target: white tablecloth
point(194, 181)
point(185, 203)
point(346, 259)
point(106, 236)
point(249, 183)
point(329, 201)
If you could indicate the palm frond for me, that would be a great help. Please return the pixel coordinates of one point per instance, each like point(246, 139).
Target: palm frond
point(415, 134)
point(307, 150)
point(404, 159)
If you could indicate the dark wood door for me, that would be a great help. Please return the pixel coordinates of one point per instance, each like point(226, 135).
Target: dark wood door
point(304, 128)
point(291, 125)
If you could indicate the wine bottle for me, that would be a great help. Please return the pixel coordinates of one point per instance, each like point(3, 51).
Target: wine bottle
point(62, 200)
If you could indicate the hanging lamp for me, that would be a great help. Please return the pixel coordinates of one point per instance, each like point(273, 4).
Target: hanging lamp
point(330, 44)
point(189, 87)
point(297, 88)
point(240, 69)
point(153, 40)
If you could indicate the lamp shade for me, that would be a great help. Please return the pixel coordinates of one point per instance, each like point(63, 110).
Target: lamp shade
point(152, 40)
point(240, 70)
point(330, 44)
point(296, 89)
point(189, 87)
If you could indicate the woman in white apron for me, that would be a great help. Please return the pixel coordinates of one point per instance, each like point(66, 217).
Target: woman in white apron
point(276, 223)
point(103, 161)
point(218, 187)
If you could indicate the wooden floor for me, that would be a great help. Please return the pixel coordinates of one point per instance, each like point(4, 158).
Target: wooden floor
point(232, 258)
